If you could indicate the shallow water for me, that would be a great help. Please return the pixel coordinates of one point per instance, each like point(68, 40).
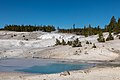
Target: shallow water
point(41, 66)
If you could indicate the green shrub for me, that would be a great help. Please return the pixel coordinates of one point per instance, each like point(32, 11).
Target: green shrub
point(76, 43)
point(94, 46)
point(63, 42)
point(79, 44)
point(73, 44)
point(58, 42)
point(69, 43)
point(87, 42)
point(102, 39)
point(110, 37)
point(90, 42)
point(119, 37)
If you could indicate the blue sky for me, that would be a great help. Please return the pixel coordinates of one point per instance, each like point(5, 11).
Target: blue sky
point(62, 13)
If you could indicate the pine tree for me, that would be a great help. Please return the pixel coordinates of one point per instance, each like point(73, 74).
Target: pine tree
point(90, 32)
point(94, 46)
point(57, 42)
point(87, 42)
point(90, 42)
point(76, 43)
point(98, 28)
point(58, 28)
point(79, 44)
point(117, 28)
point(101, 38)
point(73, 44)
point(110, 37)
point(85, 31)
point(69, 43)
point(63, 42)
point(112, 24)
point(73, 27)
point(119, 21)
point(86, 34)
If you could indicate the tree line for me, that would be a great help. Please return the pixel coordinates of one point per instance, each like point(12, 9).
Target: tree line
point(86, 31)
point(29, 28)
point(113, 26)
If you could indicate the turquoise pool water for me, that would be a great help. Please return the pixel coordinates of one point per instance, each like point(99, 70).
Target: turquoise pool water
point(40, 66)
point(55, 68)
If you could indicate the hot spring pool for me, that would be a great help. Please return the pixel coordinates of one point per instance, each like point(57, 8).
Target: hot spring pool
point(41, 66)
